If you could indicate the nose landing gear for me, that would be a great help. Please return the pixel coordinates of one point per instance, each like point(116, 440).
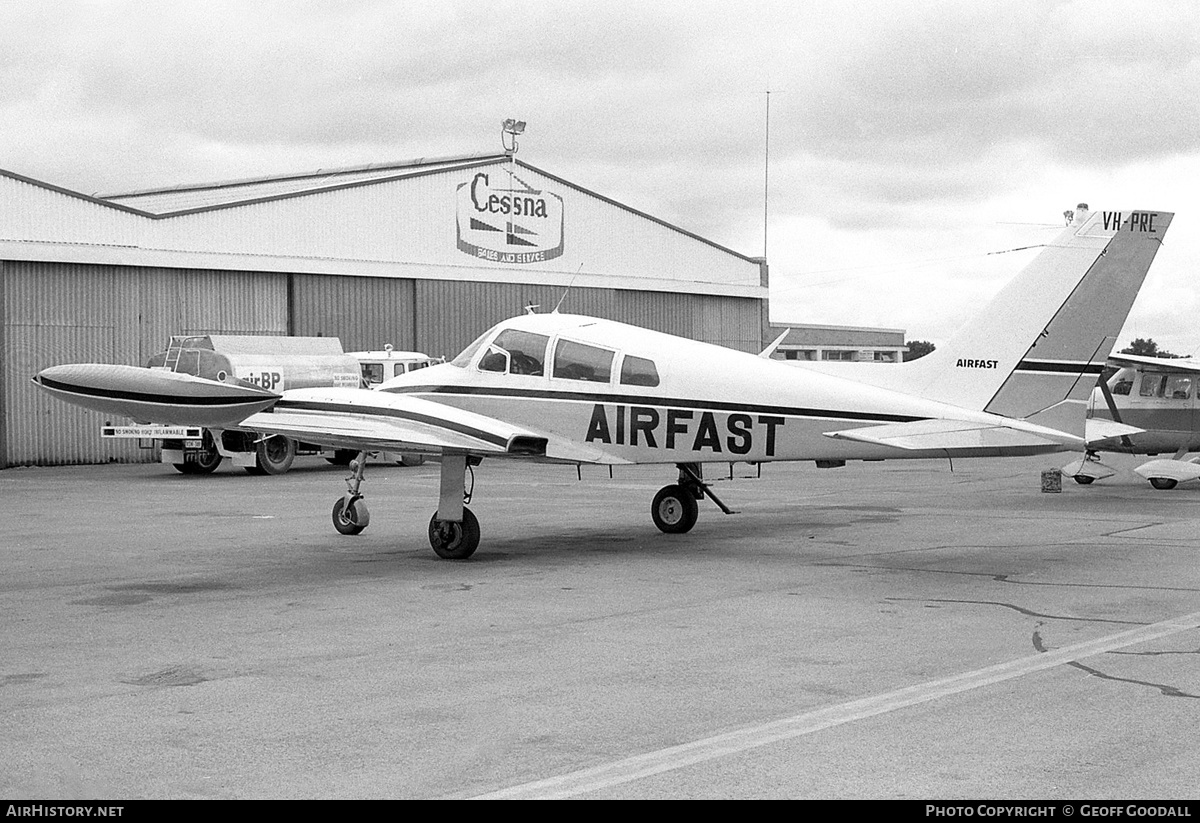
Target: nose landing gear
point(350, 513)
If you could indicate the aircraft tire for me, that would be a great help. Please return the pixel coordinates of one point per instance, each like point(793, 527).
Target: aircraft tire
point(352, 520)
point(674, 510)
point(454, 541)
point(274, 455)
point(1083, 479)
point(1163, 483)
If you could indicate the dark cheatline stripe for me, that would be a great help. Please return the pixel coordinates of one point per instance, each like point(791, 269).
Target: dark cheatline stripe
point(667, 402)
point(146, 397)
point(1060, 366)
point(374, 411)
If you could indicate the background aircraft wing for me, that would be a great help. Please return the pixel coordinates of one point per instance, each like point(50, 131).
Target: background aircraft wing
point(1168, 363)
point(961, 435)
point(361, 419)
point(1102, 432)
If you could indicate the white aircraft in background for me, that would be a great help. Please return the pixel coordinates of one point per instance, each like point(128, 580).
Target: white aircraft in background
point(571, 389)
point(1148, 406)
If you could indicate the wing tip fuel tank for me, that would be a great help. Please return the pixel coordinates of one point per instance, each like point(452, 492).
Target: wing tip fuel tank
point(153, 395)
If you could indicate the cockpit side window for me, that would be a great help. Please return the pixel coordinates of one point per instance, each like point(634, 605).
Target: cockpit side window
point(638, 371)
point(578, 361)
point(517, 352)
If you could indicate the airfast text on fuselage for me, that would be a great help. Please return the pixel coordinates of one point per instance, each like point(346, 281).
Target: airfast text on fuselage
point(673, 428)
point(964, 363)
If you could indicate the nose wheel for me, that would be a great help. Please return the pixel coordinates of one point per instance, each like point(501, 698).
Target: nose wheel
point(351, 518)
point(350, 514)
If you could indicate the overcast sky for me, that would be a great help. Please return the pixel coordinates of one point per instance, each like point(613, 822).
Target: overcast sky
point(909, 141)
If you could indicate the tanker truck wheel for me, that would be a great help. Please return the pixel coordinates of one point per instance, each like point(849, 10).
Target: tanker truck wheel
point(207, 459)
point(273, 455)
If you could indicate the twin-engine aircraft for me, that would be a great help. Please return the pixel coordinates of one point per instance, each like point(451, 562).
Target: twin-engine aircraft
point(570, 389)
point(1149, 405)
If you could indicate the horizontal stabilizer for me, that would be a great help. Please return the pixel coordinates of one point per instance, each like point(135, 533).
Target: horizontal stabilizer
point(959, 435)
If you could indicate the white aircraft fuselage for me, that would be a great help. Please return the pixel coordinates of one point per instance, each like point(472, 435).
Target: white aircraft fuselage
point(710, 404)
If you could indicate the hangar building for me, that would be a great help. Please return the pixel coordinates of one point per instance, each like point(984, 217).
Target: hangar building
point(423, 255)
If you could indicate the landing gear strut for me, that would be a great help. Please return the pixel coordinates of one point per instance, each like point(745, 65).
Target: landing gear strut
point(350, 514)
point(675, 507)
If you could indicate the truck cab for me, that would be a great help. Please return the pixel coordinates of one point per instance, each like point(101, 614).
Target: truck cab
point(381, 366)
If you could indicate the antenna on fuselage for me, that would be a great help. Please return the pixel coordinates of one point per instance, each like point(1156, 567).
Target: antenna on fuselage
point(567, 289)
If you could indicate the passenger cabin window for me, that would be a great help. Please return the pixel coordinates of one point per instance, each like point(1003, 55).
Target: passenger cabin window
point(1179, 387)
point(1153, 385)
point(1122, 387)
point(516, 352)
point(577, 361)
point(638, 371)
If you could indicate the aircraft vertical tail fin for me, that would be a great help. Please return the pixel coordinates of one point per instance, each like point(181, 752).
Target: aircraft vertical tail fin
point(1036, 350)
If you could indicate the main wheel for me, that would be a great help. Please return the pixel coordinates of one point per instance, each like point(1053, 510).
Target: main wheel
point(1163, 483)
point(1083, 479)
point(274, 455)
point(352, 519)
point(674, 509)
point(454, 541)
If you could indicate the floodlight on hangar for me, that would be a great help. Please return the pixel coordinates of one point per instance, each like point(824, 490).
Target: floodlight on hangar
point(509, 129)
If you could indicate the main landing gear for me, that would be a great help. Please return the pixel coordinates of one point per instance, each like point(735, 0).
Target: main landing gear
point(453, 529)
point(676, 507)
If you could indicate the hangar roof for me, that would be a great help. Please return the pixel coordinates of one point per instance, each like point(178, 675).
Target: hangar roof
point(484, 217)
point(197, 196)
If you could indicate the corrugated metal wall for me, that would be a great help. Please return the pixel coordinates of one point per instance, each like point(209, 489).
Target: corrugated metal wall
point(67, 313)
point(366, 313)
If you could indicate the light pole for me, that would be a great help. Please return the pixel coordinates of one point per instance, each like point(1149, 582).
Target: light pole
point(509, 129)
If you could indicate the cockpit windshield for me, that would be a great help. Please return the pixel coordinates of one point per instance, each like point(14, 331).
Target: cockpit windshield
point(464, 357)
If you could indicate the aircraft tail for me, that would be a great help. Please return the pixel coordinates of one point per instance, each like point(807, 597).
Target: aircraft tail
point(1036, 350)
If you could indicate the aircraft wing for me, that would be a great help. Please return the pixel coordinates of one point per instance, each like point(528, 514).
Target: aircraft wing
point(950, 435)
point(364, 419)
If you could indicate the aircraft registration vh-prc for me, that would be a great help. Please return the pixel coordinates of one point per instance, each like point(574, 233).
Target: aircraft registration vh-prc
point(570, 389)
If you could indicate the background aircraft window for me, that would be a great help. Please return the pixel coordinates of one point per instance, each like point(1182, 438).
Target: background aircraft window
point(576, 361)
point(638, 371)
point(1153, 384)
point(1122, 387)
point(1179, 387)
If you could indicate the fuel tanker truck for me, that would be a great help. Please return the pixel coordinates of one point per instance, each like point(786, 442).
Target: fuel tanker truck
point(271, 363)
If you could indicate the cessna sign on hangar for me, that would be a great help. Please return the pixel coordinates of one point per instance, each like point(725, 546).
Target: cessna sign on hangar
point(517, 224)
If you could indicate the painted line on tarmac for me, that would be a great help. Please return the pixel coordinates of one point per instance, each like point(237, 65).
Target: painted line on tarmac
point(640, 766)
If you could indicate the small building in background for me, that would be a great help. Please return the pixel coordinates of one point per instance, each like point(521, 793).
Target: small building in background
point(857, 344)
